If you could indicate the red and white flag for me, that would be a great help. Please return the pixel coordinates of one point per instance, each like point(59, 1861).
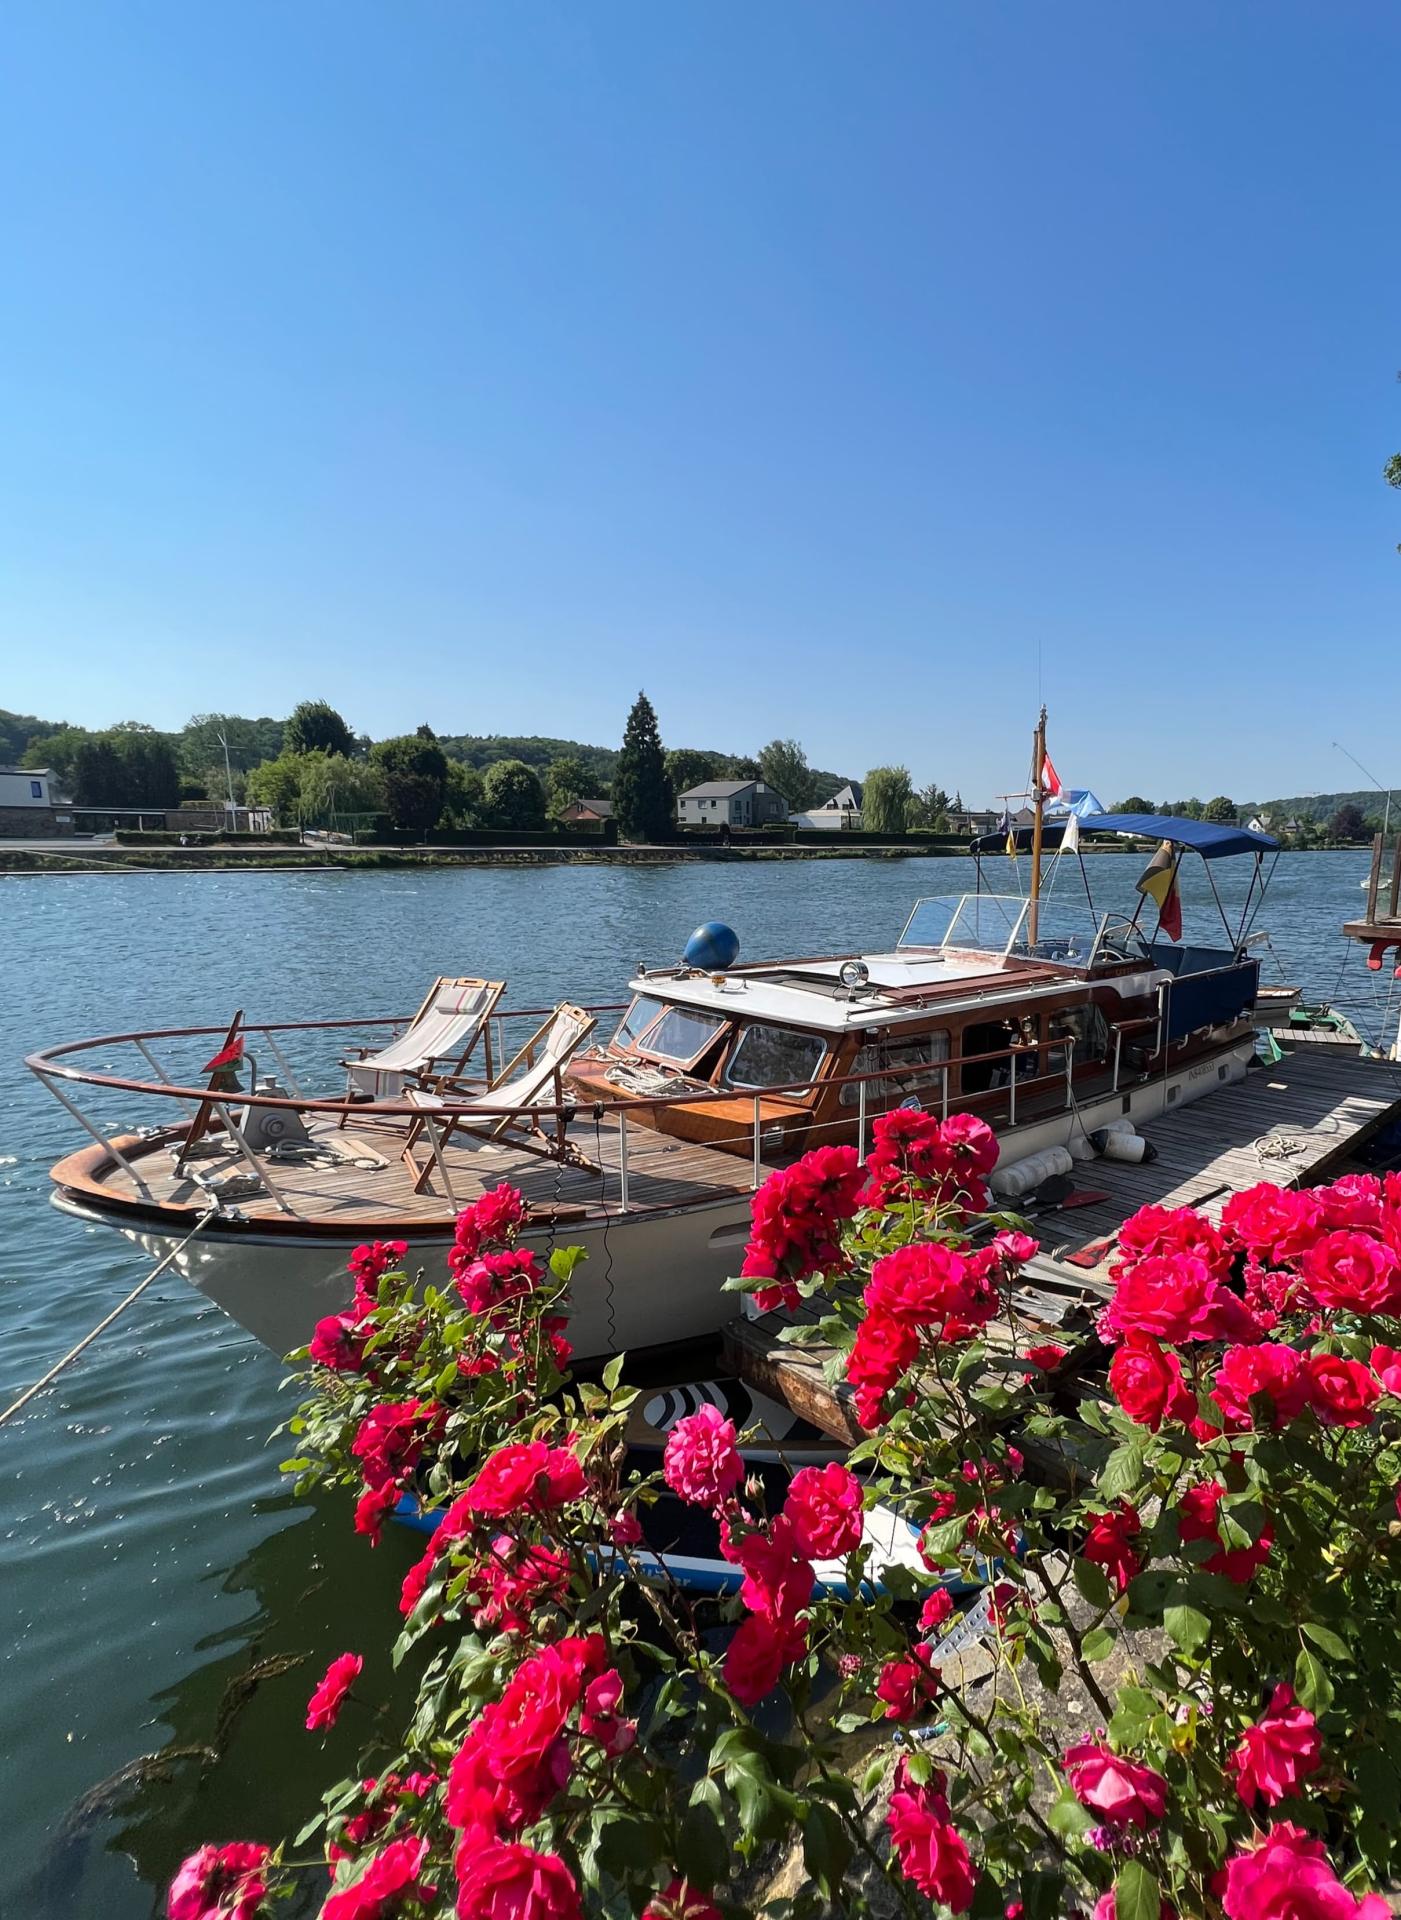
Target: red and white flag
point(1050, 779)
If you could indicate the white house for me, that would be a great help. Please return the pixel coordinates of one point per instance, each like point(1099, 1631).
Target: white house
point(843, 810)
point(25, 787)
point(30, 807)
point(730, 803)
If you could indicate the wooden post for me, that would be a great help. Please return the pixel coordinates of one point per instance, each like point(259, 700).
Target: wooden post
point(1374, 878)
point(1395, 877)
point(1038, 796)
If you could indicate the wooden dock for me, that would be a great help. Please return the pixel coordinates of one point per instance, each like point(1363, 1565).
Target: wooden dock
point(1292, 1123)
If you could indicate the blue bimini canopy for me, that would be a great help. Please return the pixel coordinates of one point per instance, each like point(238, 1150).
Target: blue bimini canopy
point(1207, 837)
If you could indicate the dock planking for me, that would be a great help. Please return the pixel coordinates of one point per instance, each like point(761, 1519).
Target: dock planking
point(1291, 1123)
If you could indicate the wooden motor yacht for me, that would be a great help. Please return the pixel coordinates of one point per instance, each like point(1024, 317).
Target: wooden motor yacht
point(1048, 1020)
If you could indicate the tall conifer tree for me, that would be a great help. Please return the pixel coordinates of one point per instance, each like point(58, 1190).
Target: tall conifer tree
point(643, 799)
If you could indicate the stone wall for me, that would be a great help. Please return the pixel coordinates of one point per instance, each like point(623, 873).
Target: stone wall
point(35, 823)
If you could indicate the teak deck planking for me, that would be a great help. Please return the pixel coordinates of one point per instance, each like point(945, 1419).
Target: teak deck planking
point(1326, 1106)
point(662, 1172)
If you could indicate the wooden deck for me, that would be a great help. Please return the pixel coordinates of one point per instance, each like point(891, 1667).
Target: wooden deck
point(356, 1178)
point(1292, 1124)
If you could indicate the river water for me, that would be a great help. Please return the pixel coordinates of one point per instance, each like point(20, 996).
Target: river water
point(166, 1604)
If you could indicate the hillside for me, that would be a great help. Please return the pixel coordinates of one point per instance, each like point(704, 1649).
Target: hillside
point(1319, 806)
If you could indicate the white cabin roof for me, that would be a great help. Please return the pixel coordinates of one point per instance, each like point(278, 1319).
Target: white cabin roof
point(807, 993)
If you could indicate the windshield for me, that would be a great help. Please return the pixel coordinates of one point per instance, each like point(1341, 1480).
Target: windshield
point(636, 1021)
point(679, 1035)
point(773, 1057)
point(984, 922)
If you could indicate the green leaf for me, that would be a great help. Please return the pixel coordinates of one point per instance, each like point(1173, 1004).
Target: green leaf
point(1122, 1471)
point(702, 1852)
point(1311, 1683)
point(1136, 1895)
point(1188, 1628)
point(613, 1372)
point(1093, 1584)
point(1097, 1644)
point(1327, 1641)
point(1069, 1819)
point(827, 1849)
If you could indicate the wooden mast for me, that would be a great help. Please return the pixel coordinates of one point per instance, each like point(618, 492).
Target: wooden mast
point(1038, 798)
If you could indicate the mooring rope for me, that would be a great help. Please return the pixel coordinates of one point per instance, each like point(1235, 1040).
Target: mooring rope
point(57, 1368)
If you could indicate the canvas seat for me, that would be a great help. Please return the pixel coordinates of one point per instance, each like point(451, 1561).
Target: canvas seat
point(437, 1043)
point(507, 1110)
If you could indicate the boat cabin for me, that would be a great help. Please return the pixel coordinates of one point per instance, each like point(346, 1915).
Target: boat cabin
point(974, 1009)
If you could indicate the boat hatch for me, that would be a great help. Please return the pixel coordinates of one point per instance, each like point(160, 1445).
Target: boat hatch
point(662, 1030)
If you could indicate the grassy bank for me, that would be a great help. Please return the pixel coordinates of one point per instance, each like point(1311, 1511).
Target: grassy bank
point(17, 859)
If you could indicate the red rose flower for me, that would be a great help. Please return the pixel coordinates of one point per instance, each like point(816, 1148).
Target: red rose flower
point(325, 1702)
point(1279, 1752)
point(882, 1351)
point(1109, 1543)
point(1353, 1272)
point(372, 1508)
point(1147, 1382)
point(1341, 1392)
point(932, 1287)
point(824, 1508)
point(511, 1882)
point(1386, 1364)
point(1120, 1791)
point(1269, 1369)
point(392, 1877)
point(1176, 1297)
point(761, 1648)
point(1281, 1222)
point(907, 1684)
point(701, 1461)
point(936, 1610)
point(1046, 1356)
point(339, 1343)
point(929, 1848)
point(1197, 1511)
point(219, 1883)
point(489, 1221)
point(1288, 1875)
point(515, 1759)
point(1154, 1232)
point(527, 1476)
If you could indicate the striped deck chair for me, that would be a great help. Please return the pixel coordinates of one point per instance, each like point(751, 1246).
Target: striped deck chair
point(438, 1041)
point(504, 1112)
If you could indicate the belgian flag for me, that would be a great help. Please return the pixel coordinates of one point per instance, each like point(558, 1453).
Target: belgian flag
point(1159, 882)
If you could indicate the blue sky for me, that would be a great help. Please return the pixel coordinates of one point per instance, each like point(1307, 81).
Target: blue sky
point(815, 366)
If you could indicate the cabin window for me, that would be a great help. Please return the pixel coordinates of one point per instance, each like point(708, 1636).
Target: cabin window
point(774, 1057)
point(911, 1061)
point(636, 1021)
point(1086, 1026)
point(682, 1034)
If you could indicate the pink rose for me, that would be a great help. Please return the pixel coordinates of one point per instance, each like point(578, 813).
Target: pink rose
point(930, 1850)
point(1354, 1272)
point(501, 1881)
point(1282, 1749)
point(824, 1506)
point(702, 1462)
point(1109, 1543)
point(219, 1883)
point(1288, 1875)
point(1386, 1364)
point(1120, 1791)
point(331, 1689)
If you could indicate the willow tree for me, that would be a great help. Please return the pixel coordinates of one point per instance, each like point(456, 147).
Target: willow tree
point(886, 798)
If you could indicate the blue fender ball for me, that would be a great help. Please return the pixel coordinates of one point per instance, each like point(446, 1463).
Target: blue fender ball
point(712, 947)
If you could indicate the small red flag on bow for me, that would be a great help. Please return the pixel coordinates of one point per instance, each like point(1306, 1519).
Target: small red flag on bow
point(226, 1056)
point(1050, 779)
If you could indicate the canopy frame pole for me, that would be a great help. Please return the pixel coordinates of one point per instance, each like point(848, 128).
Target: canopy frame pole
point(1039, 798)
point(1216, 896)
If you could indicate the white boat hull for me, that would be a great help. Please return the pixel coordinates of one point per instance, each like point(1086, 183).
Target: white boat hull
point(649, 1279)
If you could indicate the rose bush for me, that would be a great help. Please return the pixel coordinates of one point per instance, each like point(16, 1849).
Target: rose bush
point(1176, 1690)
